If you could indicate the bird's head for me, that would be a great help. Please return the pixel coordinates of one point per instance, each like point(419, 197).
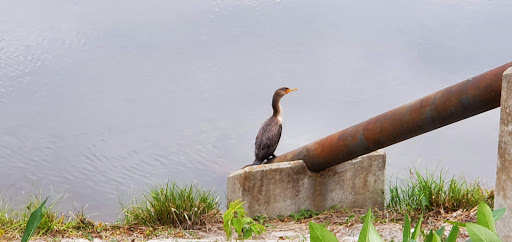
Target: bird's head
point(283, 91)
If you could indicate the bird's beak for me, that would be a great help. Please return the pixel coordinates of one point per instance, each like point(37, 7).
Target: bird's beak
point(291, 90)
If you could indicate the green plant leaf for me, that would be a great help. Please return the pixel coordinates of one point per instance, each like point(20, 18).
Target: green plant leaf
point(365, 231)
point(498, 213)
point(368, 232)
point(228, 218)
point(237, 224)
point(244, 226)
point(240, 212)
point(440, 232)
point(430, 237)
point(237, 207)
point(456, 223)
point(261, 228)
point(436, 237)
point(228, 215)
point(227, 228)
point(452, 237)
point(425, 202)
point(319, 233)
point(484, 217)
point(417, 229)
point(478, 233)
point(247, 220)
point(33, 222)
point(235, 204)
point(374, 235)
point(247, 233)
point(257, 228)
point(407, 229)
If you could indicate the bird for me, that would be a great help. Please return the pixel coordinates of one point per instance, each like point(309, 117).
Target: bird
point(270, 132)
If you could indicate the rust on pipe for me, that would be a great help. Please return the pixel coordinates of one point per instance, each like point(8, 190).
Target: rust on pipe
point(462, 100)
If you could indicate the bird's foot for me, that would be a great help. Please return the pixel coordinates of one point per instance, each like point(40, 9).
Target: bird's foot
point(269, 159)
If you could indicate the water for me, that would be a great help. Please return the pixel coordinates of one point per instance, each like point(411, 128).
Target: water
point(102, 100)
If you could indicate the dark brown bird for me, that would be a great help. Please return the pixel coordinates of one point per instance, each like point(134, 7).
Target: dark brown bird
point(270, 132)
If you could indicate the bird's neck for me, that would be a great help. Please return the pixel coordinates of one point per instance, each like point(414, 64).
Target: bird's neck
point(277, 107)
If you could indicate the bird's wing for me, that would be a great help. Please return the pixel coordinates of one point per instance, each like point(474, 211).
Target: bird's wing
point(267, 139)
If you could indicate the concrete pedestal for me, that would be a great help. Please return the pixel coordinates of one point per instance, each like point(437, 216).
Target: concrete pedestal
point(283, 188)
point(503, 191)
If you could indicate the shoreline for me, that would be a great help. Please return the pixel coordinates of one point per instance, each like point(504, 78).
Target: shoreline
point(345, 224)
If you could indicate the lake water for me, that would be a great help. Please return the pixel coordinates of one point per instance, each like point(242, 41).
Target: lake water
point(100, 100)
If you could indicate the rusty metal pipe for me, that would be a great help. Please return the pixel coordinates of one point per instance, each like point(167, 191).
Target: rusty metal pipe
point(462, 100)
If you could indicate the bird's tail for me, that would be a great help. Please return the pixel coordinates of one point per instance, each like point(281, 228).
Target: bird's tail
point(254, 163)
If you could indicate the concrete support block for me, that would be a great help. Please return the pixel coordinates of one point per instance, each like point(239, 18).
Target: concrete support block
point(503, 197)
point(283, 188)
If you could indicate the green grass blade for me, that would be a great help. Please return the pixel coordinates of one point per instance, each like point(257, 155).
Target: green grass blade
point(319, 233)
point(498, 213)
point(484, 217)
point(407, 229)
point(452, 237)
point(478, 233)
point(33, 222)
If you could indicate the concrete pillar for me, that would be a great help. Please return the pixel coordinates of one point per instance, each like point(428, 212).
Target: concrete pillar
point(283, 188)
point(503, 196)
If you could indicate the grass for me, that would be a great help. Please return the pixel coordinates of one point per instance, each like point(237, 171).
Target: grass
point(170, 210)
point(172, 205)
point(423, 193)
point(164, 211)
point(12, 223)
point(5, 220)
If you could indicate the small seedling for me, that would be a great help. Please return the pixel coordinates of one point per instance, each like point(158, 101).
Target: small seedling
point(235, 217)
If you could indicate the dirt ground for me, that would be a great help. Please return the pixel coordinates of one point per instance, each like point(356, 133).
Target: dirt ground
point(346, 225)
